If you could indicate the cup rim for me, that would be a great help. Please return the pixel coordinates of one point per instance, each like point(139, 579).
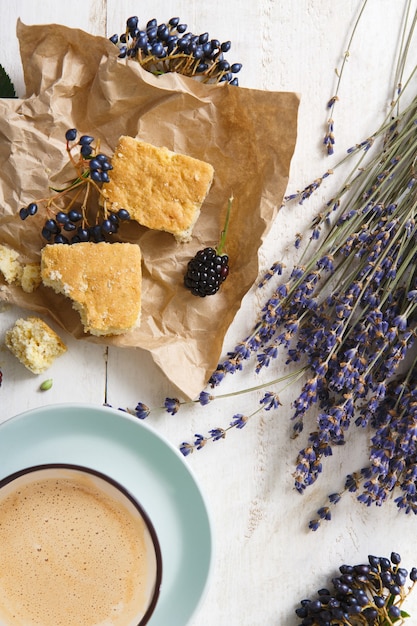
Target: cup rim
point(109, 479)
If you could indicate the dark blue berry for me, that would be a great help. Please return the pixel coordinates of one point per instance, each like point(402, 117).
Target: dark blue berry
point(132, 22)
point(225, 46)
point(395, 558)
point(86, 151)
point(85, 140)
point(95, 175)
point(174, 21)
point(46, 234)
point(362, 570)
point(123, 214)
point(52, 226)
point(182, 44)
point(192, 47)
point(394, 611)
point(158, 49)
point(379, 601)
point(61, 239)
point(74, 215)
point(114, 39)
point(224, 66)
point(23, 213)
point(152, 33)
point(370, 614)
point(61, 217)
point(71, 134)
point(301, 612)
point(95, 164)
point(400, 576)
point(96, 233)
point(198, 53)
point(107, 226)
point(32, 208)
point(83, 234)
point(236, 67)
point(201, 67)
point(163, 32)
point(142, 42)
point(226, 77)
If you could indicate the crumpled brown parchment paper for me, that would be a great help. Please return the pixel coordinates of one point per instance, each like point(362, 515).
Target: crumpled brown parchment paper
point(74, 79)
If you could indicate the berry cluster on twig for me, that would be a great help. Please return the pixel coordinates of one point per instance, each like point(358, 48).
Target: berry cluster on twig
point(170, 47)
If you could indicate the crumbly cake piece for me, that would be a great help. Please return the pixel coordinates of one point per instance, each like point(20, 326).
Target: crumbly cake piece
point(10, 266)
point(28, 275)
point(161, 189)
point(31, 277)
point(103, 280)
point(34, 343)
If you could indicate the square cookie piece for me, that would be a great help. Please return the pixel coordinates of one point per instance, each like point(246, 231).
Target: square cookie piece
point(103, 280)
point(161, 189)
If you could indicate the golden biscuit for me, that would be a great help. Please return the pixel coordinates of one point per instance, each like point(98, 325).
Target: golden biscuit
point(161, 189)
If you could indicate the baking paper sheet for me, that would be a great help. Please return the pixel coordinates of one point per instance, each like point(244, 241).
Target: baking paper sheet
point(74, 79)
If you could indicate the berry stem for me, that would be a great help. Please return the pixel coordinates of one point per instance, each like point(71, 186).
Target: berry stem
point(80, 180)
point(71, 158)
point(222, 241)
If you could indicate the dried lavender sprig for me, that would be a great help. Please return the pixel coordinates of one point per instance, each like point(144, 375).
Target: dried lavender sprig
point(404, 47)
point(173, 405)
point(269, 401)
point(329, 138)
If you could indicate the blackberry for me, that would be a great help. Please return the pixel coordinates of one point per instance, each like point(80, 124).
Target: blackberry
point(206, 272)
point(209, 268)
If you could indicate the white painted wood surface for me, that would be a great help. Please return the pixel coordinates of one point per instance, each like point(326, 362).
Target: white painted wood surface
point(266, 559)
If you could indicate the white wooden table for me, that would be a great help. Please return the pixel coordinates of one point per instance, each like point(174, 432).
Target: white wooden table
point(266, 558)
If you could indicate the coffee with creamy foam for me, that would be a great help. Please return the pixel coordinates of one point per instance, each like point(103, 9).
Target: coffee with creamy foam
point(72, 554)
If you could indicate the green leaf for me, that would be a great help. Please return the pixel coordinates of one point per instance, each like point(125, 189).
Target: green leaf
point(7, 89)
